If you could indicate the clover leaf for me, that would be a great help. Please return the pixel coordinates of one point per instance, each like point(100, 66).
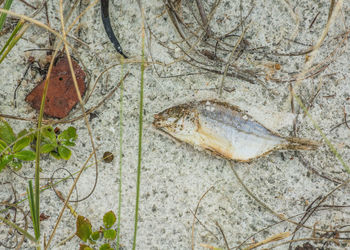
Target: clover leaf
point(83, 228)
point(57, 145)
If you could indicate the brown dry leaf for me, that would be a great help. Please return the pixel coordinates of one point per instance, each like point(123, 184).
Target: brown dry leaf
point(61, 95)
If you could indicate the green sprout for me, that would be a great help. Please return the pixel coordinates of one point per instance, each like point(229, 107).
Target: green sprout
point(58, 145)
point(12, 147)
point(106, 232)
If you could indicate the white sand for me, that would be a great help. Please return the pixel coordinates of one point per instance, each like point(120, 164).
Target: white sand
point(174, 176)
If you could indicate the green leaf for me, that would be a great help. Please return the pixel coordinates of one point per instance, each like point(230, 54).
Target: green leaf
point(16, 165)
point(8, 158)
point(91, 241)
point(68, 137)
point(109, 234)
point(3, 145)
point(64, 152)
point(6, 132)
point(68, 143)
point(85, 247)
point(25, 132)
point(25, 155)
point(31, 135)
point(21, 144)
point(83, 228)
point(2, 166)
point(95, 235)
point(22, 133)
point(109, 219)
point(68, 134)
point(5, 160)
point(47, 148)
point(55, 155)
point(105, 246)
point(7, 6)
point(24, 142)
point(49, 133)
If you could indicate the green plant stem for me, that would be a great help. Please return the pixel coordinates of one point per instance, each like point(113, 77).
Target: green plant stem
point(120, 153)
point(140, 132)
point(37, 153)
point(24, 232)
point(22, 28)
point(3, 15)
point(13, 34)
point(33, 213)
point(38, 140)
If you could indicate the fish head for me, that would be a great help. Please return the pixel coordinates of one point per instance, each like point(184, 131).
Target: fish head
point(176, 120)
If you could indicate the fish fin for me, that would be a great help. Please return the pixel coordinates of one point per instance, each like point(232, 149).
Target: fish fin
point(296, 143)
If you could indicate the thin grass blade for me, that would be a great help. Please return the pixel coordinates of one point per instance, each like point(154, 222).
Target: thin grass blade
point(138, 180)
point(120, 153)
point(33, 209)
point(3, 15)
point(14, 38)
point(13, 225)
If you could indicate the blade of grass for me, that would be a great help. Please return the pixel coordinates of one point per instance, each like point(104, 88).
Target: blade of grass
point(7, 6)
point(140, 129)
point(11, 42)
point(14, 32)
point(32, 204)
point(37, 23)
point(38, 142)
point(120, 153)
point(14, 38)
point(13, 225)
point(38, 134)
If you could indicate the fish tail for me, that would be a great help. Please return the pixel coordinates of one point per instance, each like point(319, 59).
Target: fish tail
point(296, 143)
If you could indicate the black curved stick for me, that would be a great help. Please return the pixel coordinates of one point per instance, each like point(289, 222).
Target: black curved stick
point(107, 24)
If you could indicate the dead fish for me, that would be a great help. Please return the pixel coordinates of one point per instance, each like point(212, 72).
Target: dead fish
point(224, 130)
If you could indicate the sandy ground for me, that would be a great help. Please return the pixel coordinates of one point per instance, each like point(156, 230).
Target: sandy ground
point(175, 176)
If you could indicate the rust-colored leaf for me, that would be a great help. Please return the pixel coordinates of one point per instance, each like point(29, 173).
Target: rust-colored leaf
point(61, 95)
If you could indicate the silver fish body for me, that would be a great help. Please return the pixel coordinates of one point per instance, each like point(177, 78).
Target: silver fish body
point(224, 129)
